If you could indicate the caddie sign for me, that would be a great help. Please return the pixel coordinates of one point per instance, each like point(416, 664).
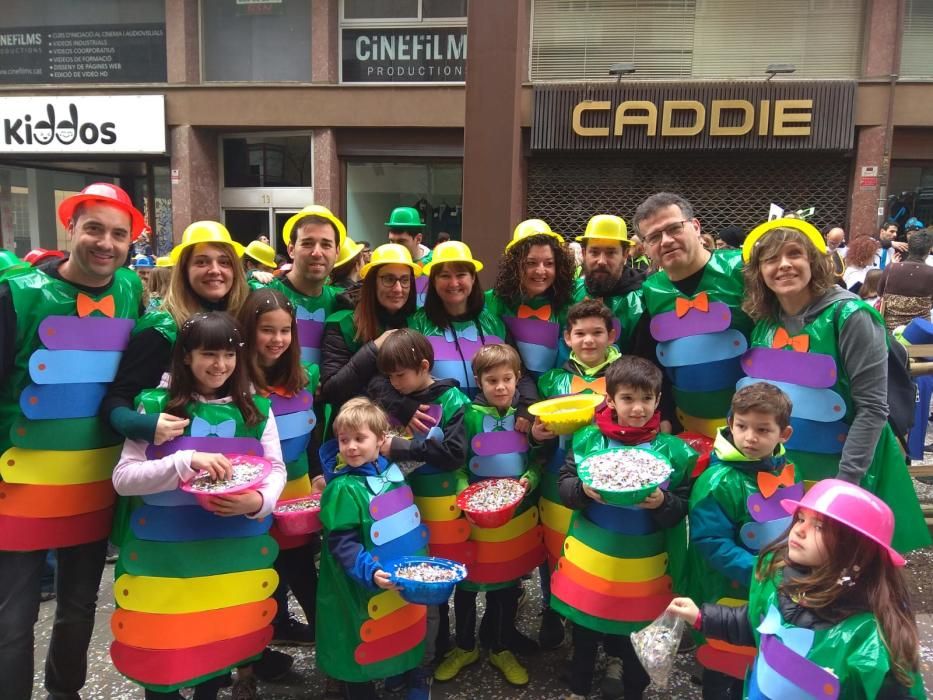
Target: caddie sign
point(786, 115)
point(83, 124)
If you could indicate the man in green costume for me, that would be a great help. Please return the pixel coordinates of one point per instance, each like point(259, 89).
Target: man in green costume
point(407, 229)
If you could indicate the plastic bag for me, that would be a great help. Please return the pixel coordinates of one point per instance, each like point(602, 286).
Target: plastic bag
point(656, 647)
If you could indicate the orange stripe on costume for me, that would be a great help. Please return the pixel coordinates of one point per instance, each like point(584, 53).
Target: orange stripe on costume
point(406, 616)
point(501, 552)
point(50, 501)
point(619, 589)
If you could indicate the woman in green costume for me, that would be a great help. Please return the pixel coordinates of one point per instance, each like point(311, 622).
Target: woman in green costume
point(827, 350)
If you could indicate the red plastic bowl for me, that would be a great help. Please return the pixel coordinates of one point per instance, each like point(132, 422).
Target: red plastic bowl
point(205, 498)
point(300, 522)
point(487, 518)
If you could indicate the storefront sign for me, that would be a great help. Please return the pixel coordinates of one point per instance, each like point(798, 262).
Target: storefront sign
point(124, 53)
point(100, 124)
point(699, 116)
point(434, 55)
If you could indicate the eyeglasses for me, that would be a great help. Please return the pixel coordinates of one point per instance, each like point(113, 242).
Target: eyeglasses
point(672, 230)
point(389, 281)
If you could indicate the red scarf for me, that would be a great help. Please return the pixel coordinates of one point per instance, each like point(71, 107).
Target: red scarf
point(626, 434)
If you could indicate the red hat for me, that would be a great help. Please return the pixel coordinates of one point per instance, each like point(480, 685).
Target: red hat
point(37, 256)
point(105, 193)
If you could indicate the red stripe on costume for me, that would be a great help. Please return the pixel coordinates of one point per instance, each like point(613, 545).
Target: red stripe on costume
point(29, 534)
point(609, 607)
point(392, 645)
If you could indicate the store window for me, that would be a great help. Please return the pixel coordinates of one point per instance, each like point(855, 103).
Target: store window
point(267, 42)
point(403, 41)
point(374, 189)
point(63, 41)
point(267, 161)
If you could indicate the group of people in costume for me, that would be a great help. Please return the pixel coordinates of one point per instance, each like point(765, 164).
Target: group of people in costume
point(749, 371)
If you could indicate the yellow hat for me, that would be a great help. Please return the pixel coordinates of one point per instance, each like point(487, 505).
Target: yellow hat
point(390, 254)
point(606, 227)
point(314, 210)
point(261, 253)
point(164, 261)
point(348, 250)
point(205, 232)
point(452, 252)
point(807, 229)
point(531, 227)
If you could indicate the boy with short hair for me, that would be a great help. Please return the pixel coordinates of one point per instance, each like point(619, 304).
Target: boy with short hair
point(589, 334)
point(735, 510)
point(496, 450)
point(620, 564)
point(364, 489)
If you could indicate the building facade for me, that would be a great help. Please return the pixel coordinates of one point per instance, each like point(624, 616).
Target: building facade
point(247, 110)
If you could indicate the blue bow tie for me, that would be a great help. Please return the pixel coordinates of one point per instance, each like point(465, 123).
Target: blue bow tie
point(468, 333)
point(201, 428)
point(302, 314)
point(392, 475)
point(492, 423)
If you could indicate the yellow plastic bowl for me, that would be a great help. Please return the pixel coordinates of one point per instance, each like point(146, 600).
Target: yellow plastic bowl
point(567, 414)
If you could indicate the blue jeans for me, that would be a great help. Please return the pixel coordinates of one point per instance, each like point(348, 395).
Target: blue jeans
point(78, 580)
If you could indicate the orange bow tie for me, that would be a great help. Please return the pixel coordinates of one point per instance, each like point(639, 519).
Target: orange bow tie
point(768, 484)
point(544, 313)
point(799, 343)
point(578, 385)
point(700, 302)
point(86, 306)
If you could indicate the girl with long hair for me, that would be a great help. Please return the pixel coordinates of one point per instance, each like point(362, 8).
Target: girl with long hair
point(829, 609)
point(192, 587)
point(860, 258)
point(827, 349)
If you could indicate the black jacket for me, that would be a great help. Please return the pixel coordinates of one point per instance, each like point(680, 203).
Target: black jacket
point(448, 454)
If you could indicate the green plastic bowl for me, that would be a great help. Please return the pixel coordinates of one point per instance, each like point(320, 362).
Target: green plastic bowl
point(628, 497)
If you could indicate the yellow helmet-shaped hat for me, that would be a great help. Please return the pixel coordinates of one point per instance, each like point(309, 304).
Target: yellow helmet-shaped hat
point(452, 252)
point(531, 227)
point(606, 227)
point(205, 232)
point(390, 254)
point(314, 210)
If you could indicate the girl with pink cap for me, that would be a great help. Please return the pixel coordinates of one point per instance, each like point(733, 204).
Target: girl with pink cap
point(828, 610)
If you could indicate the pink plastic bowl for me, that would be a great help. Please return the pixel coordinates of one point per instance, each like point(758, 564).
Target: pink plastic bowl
point(299, 522)
point(205, 498)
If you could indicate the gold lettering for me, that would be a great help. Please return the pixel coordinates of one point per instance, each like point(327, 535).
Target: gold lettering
point(763, 117)
point(717, 129)
point(782, 118)
point(649, 118)
point(589, 106)
point(687, 106)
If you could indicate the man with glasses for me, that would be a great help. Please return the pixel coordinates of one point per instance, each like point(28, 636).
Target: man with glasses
point(693, 323)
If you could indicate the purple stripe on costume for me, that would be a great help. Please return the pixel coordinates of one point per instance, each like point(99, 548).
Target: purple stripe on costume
point(281, 405)
point(668, 326)
point(533, 330)
point(806, 368)
point(499, 441)
point(443, 350)
point(88, 333)
point(764, 509)
point(230, 446)
point(310, 333)
point(391, 502)
point(800, 671)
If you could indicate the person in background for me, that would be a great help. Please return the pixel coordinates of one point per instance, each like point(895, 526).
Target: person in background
point(143, 267)
point(442, 237)
point(868, 292)
point(157, 287)
point(860, 258)
point(406, 228)
point(907, 287)
point(891, 248)
point(346, 272)
point(263, 239)
point(258, 256)
point(836, 247)
point(730, 237)
point(141, 245)
point(708, 242)
point(638, 260)
point(367, 252)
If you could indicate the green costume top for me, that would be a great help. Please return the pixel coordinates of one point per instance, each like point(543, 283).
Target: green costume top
point(536, 327)
point(160, 320)
point(370, 633)
point(847, 661)
point(807, 367)
point(496, 450)
point(626, 310)
point(180, 564)
point(310, 312)
point(619, 569)
point(57, 453)
point(701, 339)
point(455, 346)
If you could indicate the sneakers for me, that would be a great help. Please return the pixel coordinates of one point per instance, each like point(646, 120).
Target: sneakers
point(611, 687)
point(395, 684)
point(456, 660)
point(244, 689)
point(551, 632)
point(293, 633)
point(273, 665)
point(512, 671)
point(419, 684)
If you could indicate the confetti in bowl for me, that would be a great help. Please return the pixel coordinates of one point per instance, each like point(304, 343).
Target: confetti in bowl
point(248, 472)
point(298, 516)
point(567, 414)
point(426, 580)
point(491, 502)
point(624, 476)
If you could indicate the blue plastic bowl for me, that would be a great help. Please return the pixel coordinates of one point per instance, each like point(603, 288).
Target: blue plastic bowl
point(420, 592)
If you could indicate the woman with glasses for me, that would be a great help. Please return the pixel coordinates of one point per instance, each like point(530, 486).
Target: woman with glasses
point(352, 337)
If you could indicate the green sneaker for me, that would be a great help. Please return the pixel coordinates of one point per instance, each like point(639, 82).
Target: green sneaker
point(513, 671)
point(456, 660)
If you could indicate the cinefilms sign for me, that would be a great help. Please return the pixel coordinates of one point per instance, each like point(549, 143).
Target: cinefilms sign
point(77, 124)
point(435, 55)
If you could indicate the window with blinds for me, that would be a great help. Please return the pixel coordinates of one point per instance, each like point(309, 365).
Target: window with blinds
point(917, 49)
point(580, 39)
